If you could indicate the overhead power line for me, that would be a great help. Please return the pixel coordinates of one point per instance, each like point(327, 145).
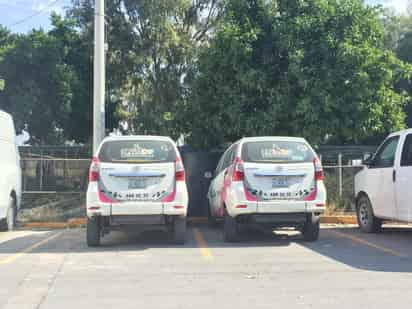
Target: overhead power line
point(23, 20)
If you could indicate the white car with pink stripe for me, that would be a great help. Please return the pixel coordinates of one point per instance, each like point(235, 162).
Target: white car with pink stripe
point(136, 181)
point(270, 181)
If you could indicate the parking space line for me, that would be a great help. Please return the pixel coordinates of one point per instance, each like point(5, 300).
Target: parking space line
point(17, 255)
point(201, 243)
point(369, 244)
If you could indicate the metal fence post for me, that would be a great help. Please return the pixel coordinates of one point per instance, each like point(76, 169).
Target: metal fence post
point(340, 174)
point(41, 171)
point(65, 168)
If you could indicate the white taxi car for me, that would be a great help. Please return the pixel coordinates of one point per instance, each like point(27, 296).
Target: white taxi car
point(270, 181)
point(136, 180)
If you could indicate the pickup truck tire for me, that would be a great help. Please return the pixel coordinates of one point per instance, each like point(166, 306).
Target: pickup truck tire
point(367, 221)
point(230, 228)
point(93, 232)
point(179, 230)
point(311, 228)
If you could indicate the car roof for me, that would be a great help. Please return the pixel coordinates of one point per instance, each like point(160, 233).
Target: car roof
point(405, 131)
point(134, 137)
point(3, 114)
point(271, 138)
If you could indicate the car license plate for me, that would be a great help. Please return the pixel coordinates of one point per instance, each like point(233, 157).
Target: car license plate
point(280, 182)
point(139, 183)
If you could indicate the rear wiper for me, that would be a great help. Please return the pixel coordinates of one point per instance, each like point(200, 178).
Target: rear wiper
point(136, 161)
point(271, 161)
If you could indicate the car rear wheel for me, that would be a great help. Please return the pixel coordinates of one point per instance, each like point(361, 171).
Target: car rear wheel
point(11, 215)
point(9, 223)
point(311, 228)
point(230, 228)
point(179, 230)
point(93, 231)
point(367, 221)
point(211, 220)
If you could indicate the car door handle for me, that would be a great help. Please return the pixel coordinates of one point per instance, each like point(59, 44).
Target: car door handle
point(394, 175)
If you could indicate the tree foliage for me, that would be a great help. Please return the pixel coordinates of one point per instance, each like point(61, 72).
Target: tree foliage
point(152, 50)
point(398, 38)
point(314, 68)
point(215, 70)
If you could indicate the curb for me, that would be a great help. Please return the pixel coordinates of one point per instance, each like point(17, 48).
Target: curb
point(338, 219)
point(81, 222)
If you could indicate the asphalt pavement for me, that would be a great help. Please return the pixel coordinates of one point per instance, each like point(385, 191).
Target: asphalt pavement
point(344, 269)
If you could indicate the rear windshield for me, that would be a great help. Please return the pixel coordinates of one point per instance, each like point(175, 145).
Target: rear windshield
point(135, 151)
point(276, 152)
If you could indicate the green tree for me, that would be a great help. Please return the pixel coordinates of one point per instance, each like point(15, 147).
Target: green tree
point(78, 52)
point(394, 26)
point(152, 47)
point(38, 84)
point(6, 42)
point(312, 68)
point(404, 52)
point(398, 38)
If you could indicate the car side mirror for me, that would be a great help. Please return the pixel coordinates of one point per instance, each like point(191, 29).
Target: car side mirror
point(367, 160)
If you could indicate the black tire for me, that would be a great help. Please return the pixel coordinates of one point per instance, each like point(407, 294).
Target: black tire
point(9, 223)
point(93, 232)
point(11, 215)
point(311, 228)
point(179, 230)
point(367, 221)
point(211, 220)
point(230, 228)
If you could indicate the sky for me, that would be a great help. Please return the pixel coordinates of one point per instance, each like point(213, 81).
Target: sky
point(17, 15)
point(24, 15)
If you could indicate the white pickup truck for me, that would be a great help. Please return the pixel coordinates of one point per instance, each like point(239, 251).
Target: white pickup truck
point(383, 189)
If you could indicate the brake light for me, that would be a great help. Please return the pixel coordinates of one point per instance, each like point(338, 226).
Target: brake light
point(318, 169)
point(238, 171)
point(94, 170)
point(180, 170)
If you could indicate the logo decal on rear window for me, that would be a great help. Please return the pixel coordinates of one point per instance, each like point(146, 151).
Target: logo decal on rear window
point(275, 152)
point(136, 152)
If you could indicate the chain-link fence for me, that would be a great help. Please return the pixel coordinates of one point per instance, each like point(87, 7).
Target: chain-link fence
point(340, 185)
point(48, 180)
point(53, 189)
point(54, 175)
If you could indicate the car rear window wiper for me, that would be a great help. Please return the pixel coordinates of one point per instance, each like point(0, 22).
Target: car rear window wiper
point(137, 161)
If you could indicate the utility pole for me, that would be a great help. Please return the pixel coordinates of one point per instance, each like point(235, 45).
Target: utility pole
point(98, 75)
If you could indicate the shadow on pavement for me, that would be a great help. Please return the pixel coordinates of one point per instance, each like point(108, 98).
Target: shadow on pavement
point(74, 240)
point(337, 244)
point(388, 251)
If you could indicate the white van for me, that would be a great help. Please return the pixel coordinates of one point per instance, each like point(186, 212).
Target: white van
point(383, 187)
point(10, 177)
point(139, 181)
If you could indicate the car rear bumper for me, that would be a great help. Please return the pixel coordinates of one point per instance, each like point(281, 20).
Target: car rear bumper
point(275, 219)
point(276, 207)
point(102, 209)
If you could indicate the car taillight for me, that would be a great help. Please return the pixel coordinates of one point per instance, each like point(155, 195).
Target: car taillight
point(238, 171)
point(318, 169)
point(94, 170)
point(180, 170)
